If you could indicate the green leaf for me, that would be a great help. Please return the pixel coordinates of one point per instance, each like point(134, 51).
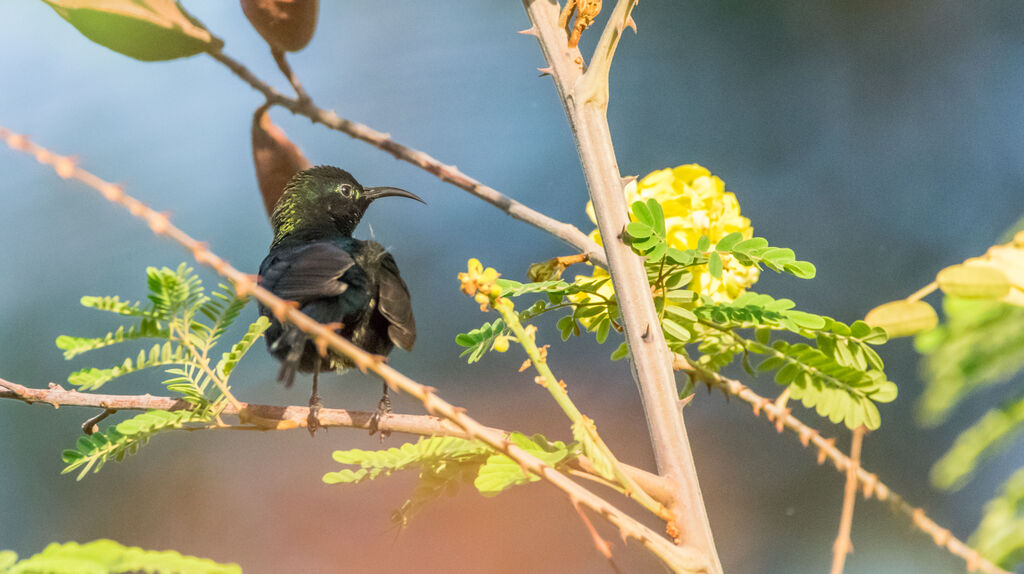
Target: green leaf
point(74, 346)
point(229, 360)
point(1000, 536)
point(642, 213)
point(836, 391)
point(981, 344)
point(222, 310)
point(621, 352)
point(425, 451)
point(93, 451)
point(704, 243)
point(638, 230)
point(902, 318)
point(973, 281)
point(147, 30)
point(990, 435)
point(802, 269)
point(729, 241)
point(116, 305)
point(159, 355)
point(752, 245)
point(500, 472)
point(106, 556)
point(515, 289)
point(479, 341)
point(715, 265)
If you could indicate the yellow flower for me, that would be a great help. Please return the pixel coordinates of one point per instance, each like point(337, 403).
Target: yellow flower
point(479, 283)
point(696, 203)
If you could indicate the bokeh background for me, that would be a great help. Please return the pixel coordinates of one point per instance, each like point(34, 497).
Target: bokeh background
point(880, 140)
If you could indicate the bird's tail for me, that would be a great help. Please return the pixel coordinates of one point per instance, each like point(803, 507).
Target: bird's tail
point(293, 342)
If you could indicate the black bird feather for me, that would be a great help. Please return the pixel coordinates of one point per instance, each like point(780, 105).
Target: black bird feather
point(332, 277)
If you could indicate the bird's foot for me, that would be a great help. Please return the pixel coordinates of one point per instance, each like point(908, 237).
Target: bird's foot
point(383, 411)
point(313, 420)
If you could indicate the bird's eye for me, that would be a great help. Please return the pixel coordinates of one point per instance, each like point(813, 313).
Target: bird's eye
point(345, 190)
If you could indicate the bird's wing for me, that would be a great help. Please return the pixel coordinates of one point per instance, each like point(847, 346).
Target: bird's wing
point(307, 272)
point(395, 305)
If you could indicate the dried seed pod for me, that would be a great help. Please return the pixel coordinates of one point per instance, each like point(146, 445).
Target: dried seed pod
point(287, 25)
point(275, 157)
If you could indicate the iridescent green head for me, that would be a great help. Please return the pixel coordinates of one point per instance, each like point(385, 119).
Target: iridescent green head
point(325, 199)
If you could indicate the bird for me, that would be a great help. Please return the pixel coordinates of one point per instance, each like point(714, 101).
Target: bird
point(352, 285)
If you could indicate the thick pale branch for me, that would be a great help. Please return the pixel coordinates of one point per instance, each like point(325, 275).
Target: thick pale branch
point(682, 559)
point(826, 447)
point(448, 173)
point(650, 358)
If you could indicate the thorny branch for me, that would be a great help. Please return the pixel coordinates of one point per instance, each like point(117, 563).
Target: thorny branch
point(651, 361)
point(681, 559)
point(448, 173)
point(827, 450)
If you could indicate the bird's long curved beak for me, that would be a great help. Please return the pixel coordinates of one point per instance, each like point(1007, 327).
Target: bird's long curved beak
point(371, 193)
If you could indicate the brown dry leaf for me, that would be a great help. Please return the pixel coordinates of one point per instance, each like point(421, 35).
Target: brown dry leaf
point(275, 157)
point(287, 25)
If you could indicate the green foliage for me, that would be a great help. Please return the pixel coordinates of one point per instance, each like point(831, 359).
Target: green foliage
point(190, 324)
point(146, 30)
point(647, 236)
point(1000, 536)
point(989, 435)
point(109, 557)
point(159, 355)
point(843, 393)
point(479, 341)
point(839, 374)
point(500, 472)
point(146, 329)
point(230, 359)
point(980, 344)
point(446, 462)
point(91, 452)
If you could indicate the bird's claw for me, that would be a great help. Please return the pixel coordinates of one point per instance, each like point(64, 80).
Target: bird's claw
point(313, 420)
point(383, 411)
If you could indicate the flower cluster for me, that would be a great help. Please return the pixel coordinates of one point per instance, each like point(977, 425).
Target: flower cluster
point(695, 203)
point(480, 283)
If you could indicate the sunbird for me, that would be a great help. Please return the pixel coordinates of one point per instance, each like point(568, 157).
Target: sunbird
point(349, 284)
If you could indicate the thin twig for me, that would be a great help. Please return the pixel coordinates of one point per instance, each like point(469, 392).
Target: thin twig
point(826, 447)
point(681, 559)
point(843, 544)
point(448, 173)
point(282, 64)
point(600, 543)
point(651, 361)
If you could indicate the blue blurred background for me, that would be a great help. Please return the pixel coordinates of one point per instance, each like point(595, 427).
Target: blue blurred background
point(880, 140)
